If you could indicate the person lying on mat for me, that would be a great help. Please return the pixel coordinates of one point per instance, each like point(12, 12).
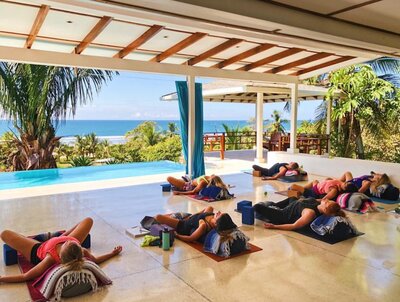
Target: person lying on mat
point(194, 186)
point(326, 189)
point(365, 182)
point(65, 249)
point(292, 213)
point(194, 227)
point(277, 170)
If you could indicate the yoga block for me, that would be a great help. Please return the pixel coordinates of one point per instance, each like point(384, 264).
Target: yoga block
point(166, 187)
point(248, 215)
point(242, 204)
point(292, 193)
point(87, 242)
point(9, 255)
point(256, 173)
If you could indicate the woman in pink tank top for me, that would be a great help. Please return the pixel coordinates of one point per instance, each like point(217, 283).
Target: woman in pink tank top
point(326, 189)
point(65, 249)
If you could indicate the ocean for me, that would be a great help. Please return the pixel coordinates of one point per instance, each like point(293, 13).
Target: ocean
point(114, 130)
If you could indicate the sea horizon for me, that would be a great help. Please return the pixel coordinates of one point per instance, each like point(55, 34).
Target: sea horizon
point(115, 130)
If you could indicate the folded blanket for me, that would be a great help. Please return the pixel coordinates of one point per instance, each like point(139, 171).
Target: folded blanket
point(213, 244)
point(324, 225)
point(356, 202)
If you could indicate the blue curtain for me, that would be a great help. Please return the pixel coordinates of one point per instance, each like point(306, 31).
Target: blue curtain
point(198, 152)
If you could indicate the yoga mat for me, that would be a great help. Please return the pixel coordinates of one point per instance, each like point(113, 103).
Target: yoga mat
point(24, 266)
point(307, 231)
point(292, 179)
point(199, 246)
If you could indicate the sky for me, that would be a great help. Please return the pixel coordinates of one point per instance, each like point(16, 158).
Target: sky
point(136, 96)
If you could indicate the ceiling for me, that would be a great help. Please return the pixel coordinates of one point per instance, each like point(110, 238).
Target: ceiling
point(215, 38)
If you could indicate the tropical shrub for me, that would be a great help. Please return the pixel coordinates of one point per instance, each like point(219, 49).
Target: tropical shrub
point(80, 161)
point(169, 149)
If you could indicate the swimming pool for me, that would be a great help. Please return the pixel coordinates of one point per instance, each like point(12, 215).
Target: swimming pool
point(23, 179)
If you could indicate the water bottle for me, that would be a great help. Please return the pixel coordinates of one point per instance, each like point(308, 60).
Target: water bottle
point(165, 239)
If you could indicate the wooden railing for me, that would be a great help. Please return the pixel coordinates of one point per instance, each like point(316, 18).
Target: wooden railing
point(222, 141)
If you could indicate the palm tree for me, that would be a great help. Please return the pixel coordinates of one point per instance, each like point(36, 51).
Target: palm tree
point(146, 133)
point(367, 104)
point(232, 136)
point(37, 98)
point(277, 123)
point(172, 128)
point(92, 143)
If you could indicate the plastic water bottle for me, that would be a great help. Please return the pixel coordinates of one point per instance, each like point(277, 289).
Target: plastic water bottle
point(165, 239)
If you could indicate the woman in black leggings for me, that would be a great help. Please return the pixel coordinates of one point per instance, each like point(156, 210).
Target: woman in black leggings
point(292, 213)
point(276, 171)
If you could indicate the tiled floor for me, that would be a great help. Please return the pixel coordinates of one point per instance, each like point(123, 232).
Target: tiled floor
point(290, 267)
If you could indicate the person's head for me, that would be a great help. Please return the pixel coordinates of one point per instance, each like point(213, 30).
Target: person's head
point(331, 208)
point(378, 180)
point(71, 254)
point(293, 165)
point(349, 187)
point(216, 181)
point(224, 223)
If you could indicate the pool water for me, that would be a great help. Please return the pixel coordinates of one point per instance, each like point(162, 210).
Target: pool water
point(23, 179)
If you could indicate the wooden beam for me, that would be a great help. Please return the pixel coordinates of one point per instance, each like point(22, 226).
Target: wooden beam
point(346, 9)
point(275, 57)
point(40, 17)
point(151, 32)
point(178, 47)
point(326, 64)
point(96, 30)
point(244, 55)
point(213, 51)
point(303, 61)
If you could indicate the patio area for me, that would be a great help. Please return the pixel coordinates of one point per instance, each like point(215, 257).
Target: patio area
point(366, 268)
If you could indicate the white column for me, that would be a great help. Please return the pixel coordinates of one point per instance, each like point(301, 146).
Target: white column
point(328, 122)
point(259, 128)
point(191, 121)
point(293, 118)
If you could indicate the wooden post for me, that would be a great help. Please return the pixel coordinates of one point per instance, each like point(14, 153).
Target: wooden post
point(222, 151)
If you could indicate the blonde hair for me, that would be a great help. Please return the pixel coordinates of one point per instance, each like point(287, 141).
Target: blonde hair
point(217, 181)
point(384, 179)
point(72, 256)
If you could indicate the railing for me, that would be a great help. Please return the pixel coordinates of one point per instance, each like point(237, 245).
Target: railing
point(304, 142)
point(222, 141)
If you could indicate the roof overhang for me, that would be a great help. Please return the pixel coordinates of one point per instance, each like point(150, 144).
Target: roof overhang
point(246, 92)
point(247, 40)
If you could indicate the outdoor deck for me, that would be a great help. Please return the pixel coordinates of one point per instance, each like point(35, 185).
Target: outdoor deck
point(291, 267)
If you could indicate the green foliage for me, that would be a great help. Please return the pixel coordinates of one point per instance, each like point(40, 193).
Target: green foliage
point(367, 103)
point(307, 127)
point(169, 149)
point(87, 145)
point(7, 148)
point(36, 98)
point(277, 123)
point(146, 133)
point(232, 138)
point(81, 161)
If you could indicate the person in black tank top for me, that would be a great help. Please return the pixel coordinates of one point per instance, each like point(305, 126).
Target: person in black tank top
point(276, 171)
point(292, 213)
point(193, 228)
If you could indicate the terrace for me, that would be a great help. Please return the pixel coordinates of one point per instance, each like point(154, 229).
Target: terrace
point(278, 42)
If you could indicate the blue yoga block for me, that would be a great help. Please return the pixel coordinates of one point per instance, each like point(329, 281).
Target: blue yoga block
point(166, 187)
point(9, 255)
point(87, 242)
point(248, 215)
point(242, 204)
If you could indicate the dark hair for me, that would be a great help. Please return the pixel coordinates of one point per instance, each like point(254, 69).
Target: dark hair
point(350, 188)
point(295, 166)
point(225, 223)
